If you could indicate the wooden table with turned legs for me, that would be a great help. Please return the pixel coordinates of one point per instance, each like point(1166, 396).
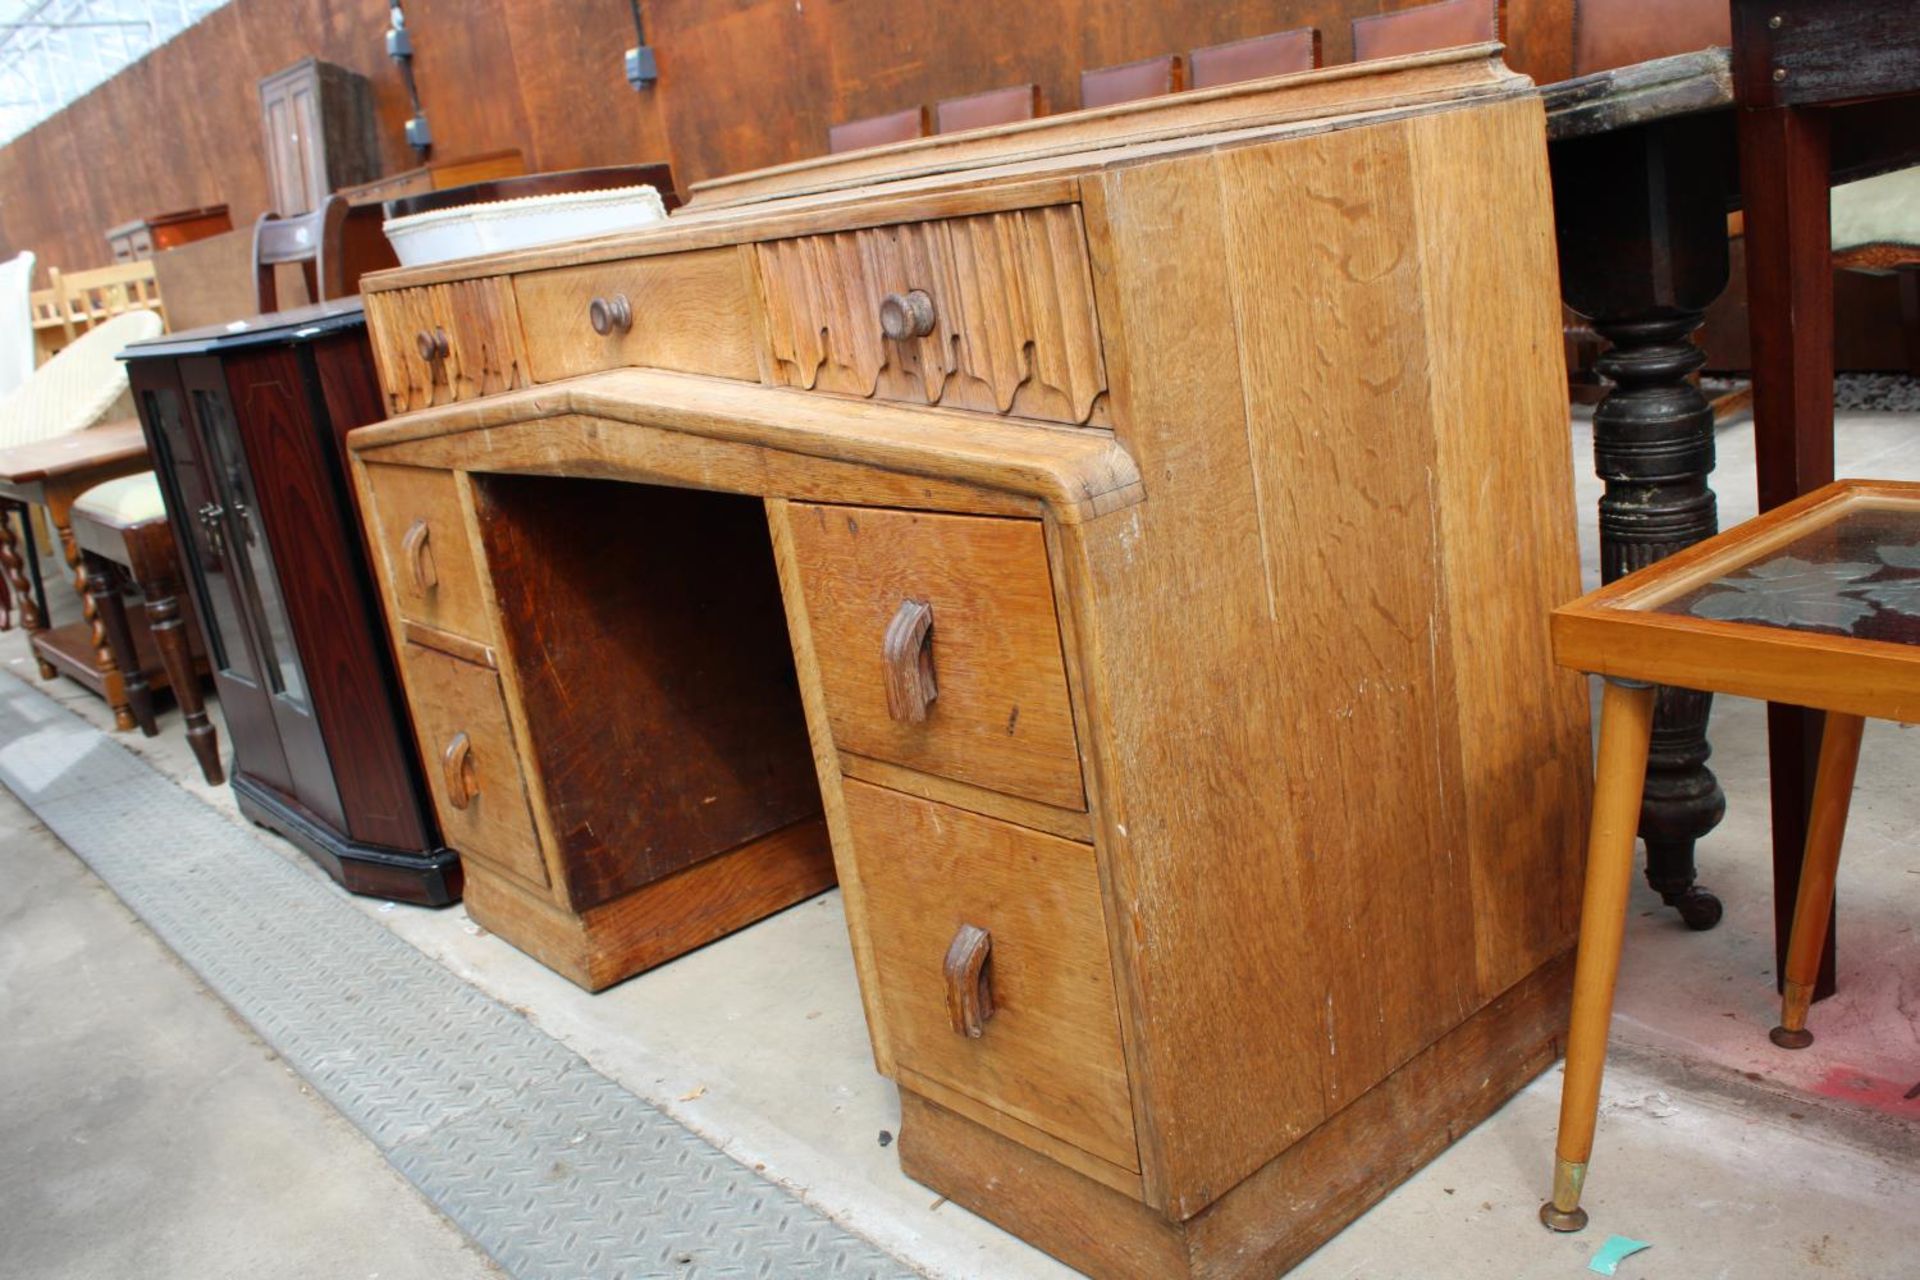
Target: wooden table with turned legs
point(53, 474)
point(1815, 604)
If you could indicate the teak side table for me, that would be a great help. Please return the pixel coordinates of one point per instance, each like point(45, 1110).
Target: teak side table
point(1815, 604)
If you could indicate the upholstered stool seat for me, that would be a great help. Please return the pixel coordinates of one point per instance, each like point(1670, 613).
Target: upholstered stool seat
point(1815, 604)
point(1878, 217)
point(121, 529)
point(125, 501)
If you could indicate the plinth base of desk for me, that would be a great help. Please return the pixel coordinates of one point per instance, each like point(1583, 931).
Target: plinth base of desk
point(429, 879)
point(656, 922)
point(1290, 1206)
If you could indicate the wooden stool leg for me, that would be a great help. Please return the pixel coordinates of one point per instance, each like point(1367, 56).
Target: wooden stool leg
point(113, 680)
point(110, 610)
point(176, 654)
point(1626, 724)
point(1813, 903)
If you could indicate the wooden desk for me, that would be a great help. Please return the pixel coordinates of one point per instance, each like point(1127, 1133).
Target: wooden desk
point(1647, 162)
point(1132, 534)
point(52, 474)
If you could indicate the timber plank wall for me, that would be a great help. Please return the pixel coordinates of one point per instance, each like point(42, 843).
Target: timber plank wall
point(743, 83)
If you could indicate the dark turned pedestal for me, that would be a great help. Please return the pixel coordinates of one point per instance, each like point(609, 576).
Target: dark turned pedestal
point(1640, 212)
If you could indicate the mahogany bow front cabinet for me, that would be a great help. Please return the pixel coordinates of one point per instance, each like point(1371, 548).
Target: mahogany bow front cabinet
point(1120, 546)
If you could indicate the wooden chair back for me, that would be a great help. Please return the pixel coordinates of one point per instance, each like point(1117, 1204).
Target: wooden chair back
point(89, 298)
point(1429, 26)
point(878, 131)
point(1617, 33)
point(1131, 81)
point(983, 110)
point(315, 240)
point(1255, 59)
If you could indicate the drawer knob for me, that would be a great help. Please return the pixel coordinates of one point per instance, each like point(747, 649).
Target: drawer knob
point(610, 315)
point(456, 769)
point(908, 655)
point(415, 546)
point(432, 344)
point(969, 981)
point(906, 315)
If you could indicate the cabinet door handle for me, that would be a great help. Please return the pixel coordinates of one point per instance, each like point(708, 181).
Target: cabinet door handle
point(908, 655)
point(414, 545)
point(456, 769)
point(432, 344)
point(610, 315)
point(969, 981)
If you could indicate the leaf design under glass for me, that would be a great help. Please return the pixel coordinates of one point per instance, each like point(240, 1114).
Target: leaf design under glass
point(1790, 592)
point(1902, 595)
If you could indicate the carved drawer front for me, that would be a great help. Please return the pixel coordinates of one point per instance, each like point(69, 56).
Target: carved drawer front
point(990, 954)
point(438, 343)
point(430, 562)
point(992, 312)
point(938, 646)
point(688, 312)
point(466, 748)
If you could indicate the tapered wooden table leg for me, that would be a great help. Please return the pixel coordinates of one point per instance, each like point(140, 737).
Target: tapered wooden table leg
point(1813, 902)
point(1626, 724)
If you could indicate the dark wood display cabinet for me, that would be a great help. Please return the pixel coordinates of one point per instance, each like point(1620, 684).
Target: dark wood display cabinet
point(247, 425)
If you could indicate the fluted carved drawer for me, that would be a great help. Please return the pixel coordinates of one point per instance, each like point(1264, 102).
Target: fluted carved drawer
point(992, 312)
point(438, 343)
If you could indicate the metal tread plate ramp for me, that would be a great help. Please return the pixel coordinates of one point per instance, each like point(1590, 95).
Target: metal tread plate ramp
point(552, 1168)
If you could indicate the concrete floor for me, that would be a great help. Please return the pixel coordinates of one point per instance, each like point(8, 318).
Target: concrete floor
point(1732, 1157)
point(146, 1132)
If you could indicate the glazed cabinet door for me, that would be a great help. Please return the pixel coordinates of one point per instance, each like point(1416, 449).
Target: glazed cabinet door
point(196, 501)
point(241, 532)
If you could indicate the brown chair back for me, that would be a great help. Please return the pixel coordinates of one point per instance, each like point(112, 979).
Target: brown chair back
point(1430, 26)
point(1255, 59)
point(983, 110)
point(315, 240)
point(1148, 78)
point(878, 131)
point(1617, 33)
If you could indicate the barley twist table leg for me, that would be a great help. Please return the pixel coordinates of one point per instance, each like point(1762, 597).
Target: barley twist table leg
point(114, 685)
point(15, 568)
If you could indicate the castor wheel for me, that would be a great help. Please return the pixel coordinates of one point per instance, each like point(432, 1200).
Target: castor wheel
point(1791, 1039)
point(1698, 908)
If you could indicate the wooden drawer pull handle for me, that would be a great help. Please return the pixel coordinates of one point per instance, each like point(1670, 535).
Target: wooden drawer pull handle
point(456, 768)
point(610, 315)
point(906, 315)
point(908, 653)
point(419, 557)
point(969, 981)
point(432, 344)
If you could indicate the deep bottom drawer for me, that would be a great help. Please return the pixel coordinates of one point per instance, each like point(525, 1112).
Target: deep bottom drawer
point(1048, 1053)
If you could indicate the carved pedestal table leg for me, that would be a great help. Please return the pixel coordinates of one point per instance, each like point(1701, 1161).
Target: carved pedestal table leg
point(104, 594)
point(1653, 445)
point(1641, 220)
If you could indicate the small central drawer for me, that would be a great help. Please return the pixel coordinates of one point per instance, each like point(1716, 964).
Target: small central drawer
point(938, 646)
point(993, 312)
point(466, 746)
point(688, 312)
point(990, 954)
point(423, 537)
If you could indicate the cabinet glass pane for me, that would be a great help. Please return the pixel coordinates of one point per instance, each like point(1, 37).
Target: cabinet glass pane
point(220, 610)
point(248, 544)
